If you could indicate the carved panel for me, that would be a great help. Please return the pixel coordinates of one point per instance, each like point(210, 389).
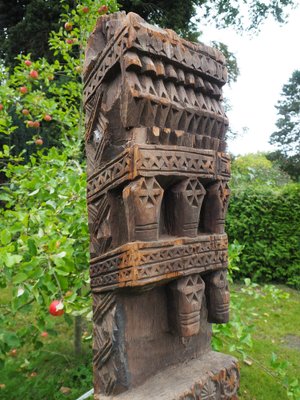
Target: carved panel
point(104, 308)
point(215, 207)
point(142, 199)
point(183, 207)
point(185, 298)
point(217, 297)
point(221, 385)
point(151, 160)
point(142, 263)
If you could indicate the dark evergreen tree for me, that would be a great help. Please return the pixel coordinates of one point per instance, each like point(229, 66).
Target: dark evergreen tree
point(287, 136)
point(25, 26)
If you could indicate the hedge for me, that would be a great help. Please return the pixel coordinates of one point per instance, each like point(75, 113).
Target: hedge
point(266, 221)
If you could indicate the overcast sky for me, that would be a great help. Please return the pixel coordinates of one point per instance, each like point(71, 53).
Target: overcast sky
point(266, 62)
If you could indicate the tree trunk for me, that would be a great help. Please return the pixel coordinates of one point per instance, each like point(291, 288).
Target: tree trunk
point(77, 335)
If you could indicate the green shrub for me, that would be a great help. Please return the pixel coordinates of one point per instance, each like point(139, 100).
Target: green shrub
point(266, 221)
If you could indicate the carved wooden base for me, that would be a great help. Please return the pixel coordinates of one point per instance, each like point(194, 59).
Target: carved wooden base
point(214, 376)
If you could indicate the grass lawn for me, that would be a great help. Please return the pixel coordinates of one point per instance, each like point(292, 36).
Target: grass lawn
point(273, 315)
point(273, 361)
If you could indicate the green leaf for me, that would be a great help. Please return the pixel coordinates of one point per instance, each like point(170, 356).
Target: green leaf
point(12, 259)
point(34, 192)
point(60, 272)
point(20, 277)
point(32, 247)
point(5, 237)
point(10, 338)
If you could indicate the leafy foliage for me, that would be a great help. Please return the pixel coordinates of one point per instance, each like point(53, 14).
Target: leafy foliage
point(44, 240)
point(43, 222)
point(266, 221)
point(289, 164)
point(247, 16)
point(256, 170)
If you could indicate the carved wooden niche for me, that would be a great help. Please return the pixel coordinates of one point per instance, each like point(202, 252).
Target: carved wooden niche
point(157, 198)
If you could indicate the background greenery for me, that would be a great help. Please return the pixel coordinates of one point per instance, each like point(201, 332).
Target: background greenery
point(267, 222)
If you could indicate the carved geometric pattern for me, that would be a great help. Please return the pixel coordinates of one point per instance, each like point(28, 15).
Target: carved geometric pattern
point(151, 160)
point(209, 390)
point(223, 165)
point(196, 112)
point(106, 61)
point(224, 193)
point(104, 307)
point(143, 263)
point(150, 192)
point(193, 288)
point(218, 297)
point(194, 192)
point(230, 383)
point(192, 56)
point(215, 387)
point(185, 301)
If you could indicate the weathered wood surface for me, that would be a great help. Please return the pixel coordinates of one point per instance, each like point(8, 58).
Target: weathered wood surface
point(157, 198)
point(214, 376)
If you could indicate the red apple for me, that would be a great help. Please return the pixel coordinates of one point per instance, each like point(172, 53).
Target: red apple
point(25, 111)
point(85, 9)
point(56, 308)
point(27, 63)
point(36, 124)
point(51, 77)
point(47, 118)
point(69, 41)
point(68, 26)
point(103, 9)
point(44, 334)
point(1, 107)
point(30, 124)
point(23, 89)
point(33, 74)
point(39, 141)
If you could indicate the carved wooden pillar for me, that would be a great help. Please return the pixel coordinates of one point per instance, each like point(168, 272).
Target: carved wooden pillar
point(157, 197)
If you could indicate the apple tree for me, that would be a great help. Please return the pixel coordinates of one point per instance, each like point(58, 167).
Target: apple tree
point(43, 222)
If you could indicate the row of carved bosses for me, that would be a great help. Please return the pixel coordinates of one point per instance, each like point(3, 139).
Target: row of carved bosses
point(143, 210)
point(173, 108)
point(171, 125)
point(156, 69)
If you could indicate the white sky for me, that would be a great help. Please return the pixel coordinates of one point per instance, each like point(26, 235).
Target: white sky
point(266, 62)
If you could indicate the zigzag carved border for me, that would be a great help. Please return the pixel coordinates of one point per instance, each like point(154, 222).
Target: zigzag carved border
point(139, 263)
point(155, 160)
